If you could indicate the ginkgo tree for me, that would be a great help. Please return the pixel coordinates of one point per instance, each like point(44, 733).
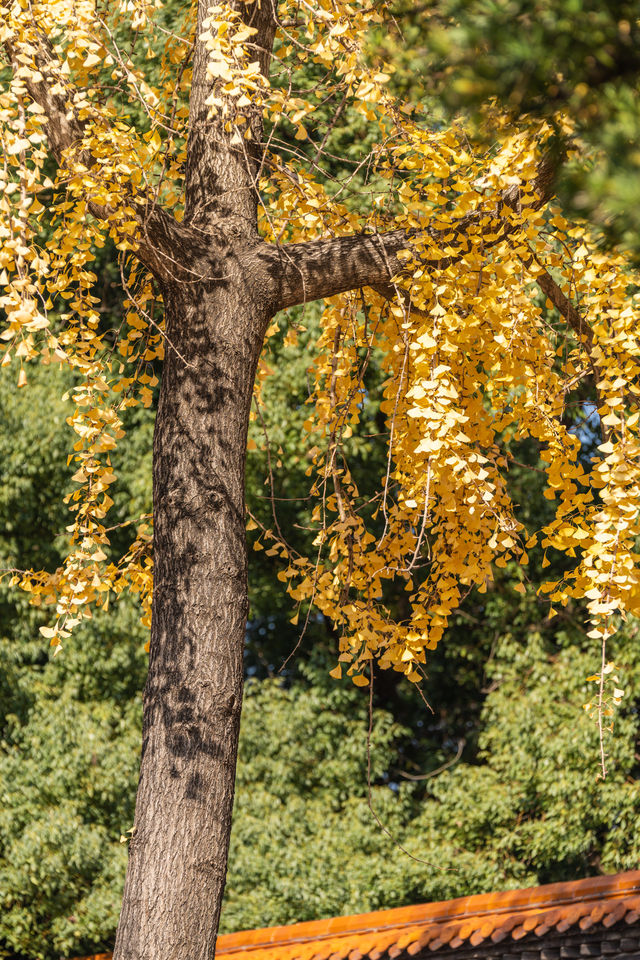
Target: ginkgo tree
point(189, 141)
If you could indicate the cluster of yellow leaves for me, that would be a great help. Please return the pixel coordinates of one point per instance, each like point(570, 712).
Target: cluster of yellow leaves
point(476, 364)
point(474, 360)
point(50, 240)
point(238, 82)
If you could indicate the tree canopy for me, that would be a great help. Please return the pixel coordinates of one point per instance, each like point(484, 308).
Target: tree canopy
point(465, 316)
point(479, 223)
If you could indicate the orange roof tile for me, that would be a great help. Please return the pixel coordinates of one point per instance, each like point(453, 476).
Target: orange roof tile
point(452, 923)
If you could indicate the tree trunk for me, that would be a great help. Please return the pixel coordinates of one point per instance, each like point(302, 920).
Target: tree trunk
point(193, 695)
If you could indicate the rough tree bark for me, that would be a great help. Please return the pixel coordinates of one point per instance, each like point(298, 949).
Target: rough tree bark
point(193, 695)
point(221, 285)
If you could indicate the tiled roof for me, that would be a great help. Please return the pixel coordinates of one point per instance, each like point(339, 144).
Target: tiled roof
point(466, 921)
point(448, 926)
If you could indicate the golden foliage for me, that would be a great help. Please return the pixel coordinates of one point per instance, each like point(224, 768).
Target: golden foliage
point(473, 358)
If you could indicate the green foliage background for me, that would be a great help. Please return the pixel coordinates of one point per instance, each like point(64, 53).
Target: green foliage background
point(521, 806)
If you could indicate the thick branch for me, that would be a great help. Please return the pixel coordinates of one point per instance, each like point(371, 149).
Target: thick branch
point(564, 306)
point(304, 272)
point(63, 129)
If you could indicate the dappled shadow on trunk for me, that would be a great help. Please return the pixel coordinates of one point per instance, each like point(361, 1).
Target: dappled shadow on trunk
point(195, 670)
point(193, 695)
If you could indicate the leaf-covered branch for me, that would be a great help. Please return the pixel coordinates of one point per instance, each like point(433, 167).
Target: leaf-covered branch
point(323, 268)
point(36, 63)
